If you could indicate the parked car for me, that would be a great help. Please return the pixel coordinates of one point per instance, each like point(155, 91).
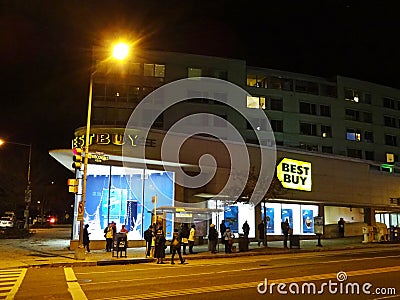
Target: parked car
point(6, 222)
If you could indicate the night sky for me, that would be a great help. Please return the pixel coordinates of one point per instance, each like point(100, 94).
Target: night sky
point(46, 54)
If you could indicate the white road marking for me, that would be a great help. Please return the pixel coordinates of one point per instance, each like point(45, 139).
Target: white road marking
point(73, 286)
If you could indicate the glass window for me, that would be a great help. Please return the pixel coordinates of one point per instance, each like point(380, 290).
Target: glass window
point(367, 98)
point(325, 110)
point(390, 140)
point(327, 149)
point(367, 117)
point(368, 137)
point(356, 153)
point(326, 131)
point(352, 114)
point(353, 134)
point(159, 70)
point(194, 72)
point(308, 129)
point(133, 93)
point(389, 121)
point(352, 95)
point(287, 84)
point(148, 70)
point(255, 102)
point(328, 90)
point(134, 69)
point(277, 125)
point(307, 87)
point(276, 104)
point(369, 155)
point(275, 83)
point(389, 103)
point(308, 108)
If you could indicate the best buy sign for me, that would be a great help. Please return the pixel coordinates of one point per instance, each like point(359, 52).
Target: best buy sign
point(295, 174)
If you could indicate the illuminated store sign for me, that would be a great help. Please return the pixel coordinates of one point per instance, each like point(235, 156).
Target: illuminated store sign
point(295, 174)
point(115, 139)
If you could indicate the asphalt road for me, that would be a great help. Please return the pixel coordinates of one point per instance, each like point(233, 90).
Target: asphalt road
point(350, 274)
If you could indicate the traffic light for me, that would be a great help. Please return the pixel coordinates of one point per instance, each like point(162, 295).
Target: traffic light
point(77, 164)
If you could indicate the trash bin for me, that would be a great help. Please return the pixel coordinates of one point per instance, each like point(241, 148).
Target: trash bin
point(294, 241)
point(120, 244)
point(243, 243)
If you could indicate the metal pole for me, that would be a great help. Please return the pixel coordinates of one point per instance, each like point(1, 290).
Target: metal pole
point(28, 187)
point(85, 166)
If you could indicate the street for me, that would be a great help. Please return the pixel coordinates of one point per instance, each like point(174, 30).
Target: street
point(364, 274)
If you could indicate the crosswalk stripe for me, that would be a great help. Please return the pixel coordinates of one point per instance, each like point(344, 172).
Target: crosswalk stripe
point(10, 281)
point(73, 286)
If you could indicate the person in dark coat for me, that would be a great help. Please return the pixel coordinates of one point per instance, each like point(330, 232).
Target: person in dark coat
point(341, 227)
point(212, 238)
point(86, 240)
point(148, 237)
point(285, 230)
point(176, 247)
point(222, 229)
point(261, 232)
point(160, 245)
point(184, 236)
point(246, 229)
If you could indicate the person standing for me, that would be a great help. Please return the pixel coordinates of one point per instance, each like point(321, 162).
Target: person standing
point(191, 238)
point(123, 229)
point(246, 229)
point(184, 236)
point(109, 234)
point(160, 245)
point(285, 230)
point(261, 232)
point(212, 238)
point(176, 247)
point(341, 223)
point(86, 240)
point(148, 237)
point(222, 229)
point(228, 240)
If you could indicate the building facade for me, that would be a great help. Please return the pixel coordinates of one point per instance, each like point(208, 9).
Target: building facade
point(345, 128)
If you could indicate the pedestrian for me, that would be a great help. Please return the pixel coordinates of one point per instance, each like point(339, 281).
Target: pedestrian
point(86, 240)
point(246, 229)
point(212, 238)
point(109, 235)
point(184, 236)
point(341, 223)
point(285, 230)
point(176, 247)
point(228, 240)
point(191, 238)
point(222, 229)
point(123, 229)
point(148, 237)
point(160, 245)
point(261, 232)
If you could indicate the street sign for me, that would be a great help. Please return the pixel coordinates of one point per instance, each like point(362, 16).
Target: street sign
point(98, 156)
point(28, 195)
point(80, 211)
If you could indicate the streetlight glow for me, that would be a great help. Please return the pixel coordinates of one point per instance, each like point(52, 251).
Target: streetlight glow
point(120, 51)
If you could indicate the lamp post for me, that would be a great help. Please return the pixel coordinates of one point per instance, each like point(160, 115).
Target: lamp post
point(120, 52)
point(28, 192)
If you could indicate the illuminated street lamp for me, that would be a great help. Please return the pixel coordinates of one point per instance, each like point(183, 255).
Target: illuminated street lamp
point(28, 192)
point(120, 52)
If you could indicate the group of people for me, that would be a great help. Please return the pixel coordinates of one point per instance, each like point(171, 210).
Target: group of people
point(156, 242)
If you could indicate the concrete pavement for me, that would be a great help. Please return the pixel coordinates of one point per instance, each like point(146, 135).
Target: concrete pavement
point(31, 252)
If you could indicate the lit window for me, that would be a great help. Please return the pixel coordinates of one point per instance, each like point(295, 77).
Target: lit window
point(255, 102)
point(353, 135)
point(194, 72)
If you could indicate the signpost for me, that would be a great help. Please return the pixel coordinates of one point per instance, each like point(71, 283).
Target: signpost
point(319, 228)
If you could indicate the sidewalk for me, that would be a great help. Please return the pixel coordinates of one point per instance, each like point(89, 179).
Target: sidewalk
point(55, 253)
